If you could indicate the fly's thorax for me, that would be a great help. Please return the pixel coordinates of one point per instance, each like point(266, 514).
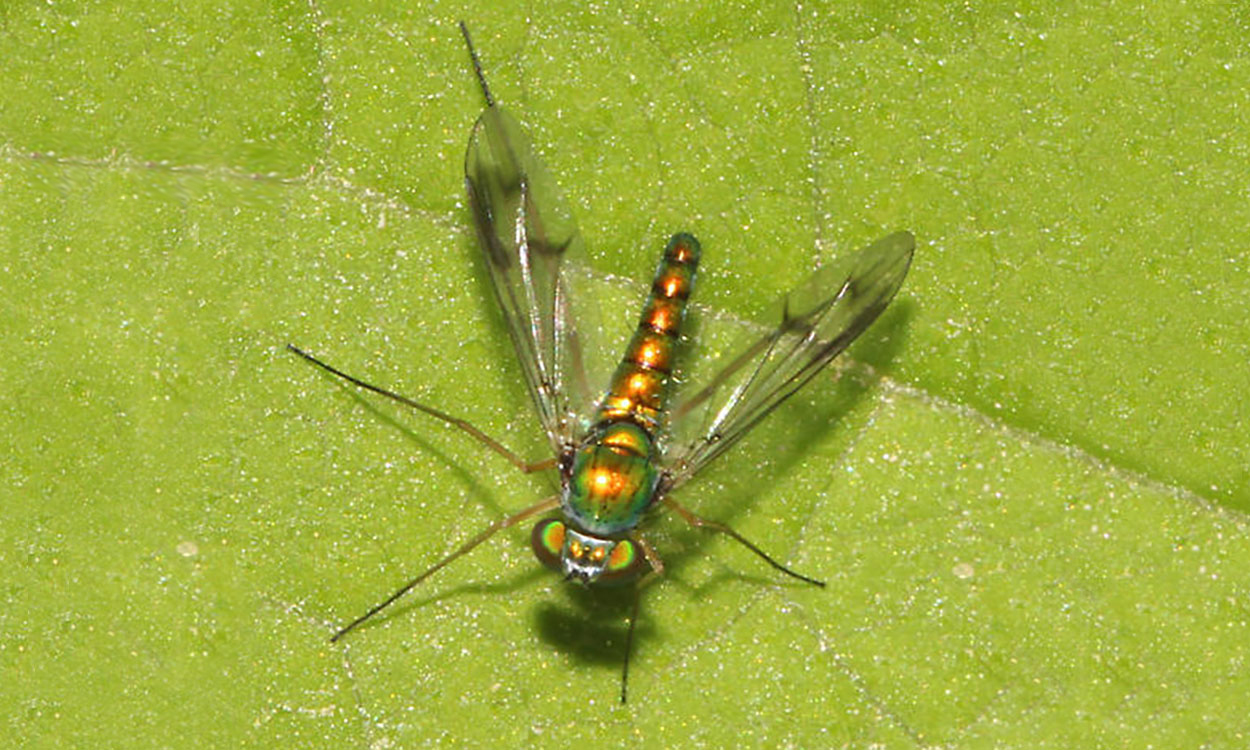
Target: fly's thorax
point(611, 480)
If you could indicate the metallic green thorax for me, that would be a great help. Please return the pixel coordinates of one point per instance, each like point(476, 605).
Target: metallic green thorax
point(609, 486)
point(614, 471)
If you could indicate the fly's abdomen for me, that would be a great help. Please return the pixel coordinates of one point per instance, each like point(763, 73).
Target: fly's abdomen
point(643, 381)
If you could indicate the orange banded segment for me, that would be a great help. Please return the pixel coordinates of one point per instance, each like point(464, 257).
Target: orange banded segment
point(626, 438)
point(683, 249)
point(663, 315)
point(641, 384)
point(651, 350)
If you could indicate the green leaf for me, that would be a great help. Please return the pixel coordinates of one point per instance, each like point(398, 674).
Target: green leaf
point(1026, 491)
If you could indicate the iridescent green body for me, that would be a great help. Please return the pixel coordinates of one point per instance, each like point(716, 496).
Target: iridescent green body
point(612, 475)
point(615, 472)
point(613, 478)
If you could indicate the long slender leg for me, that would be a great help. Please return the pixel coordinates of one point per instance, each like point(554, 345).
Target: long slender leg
point(703, 523)
point(486, 533)
point(456, 422)
point(657, 570)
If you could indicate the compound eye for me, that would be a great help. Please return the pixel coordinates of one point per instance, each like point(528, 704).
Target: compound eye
point(625, 563)
point(547, 539)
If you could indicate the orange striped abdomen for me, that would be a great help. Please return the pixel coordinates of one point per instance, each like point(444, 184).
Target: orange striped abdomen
point(642, 382)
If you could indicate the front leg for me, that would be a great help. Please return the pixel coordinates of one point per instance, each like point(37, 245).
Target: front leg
point(703, 523)
point(657, 570)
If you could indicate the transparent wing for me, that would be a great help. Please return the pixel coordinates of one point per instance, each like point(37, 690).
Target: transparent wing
point(529, 238)
point(818, 320)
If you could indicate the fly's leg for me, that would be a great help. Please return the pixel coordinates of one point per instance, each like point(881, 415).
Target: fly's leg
point(456, 422)
point(703, 523)
point(657, 570)
point(486, 533)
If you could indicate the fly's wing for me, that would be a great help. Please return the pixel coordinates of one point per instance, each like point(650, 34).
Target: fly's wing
point(818, 320)
point(528, 237)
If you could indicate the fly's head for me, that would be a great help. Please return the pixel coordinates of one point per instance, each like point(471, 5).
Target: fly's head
point(586, 558)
